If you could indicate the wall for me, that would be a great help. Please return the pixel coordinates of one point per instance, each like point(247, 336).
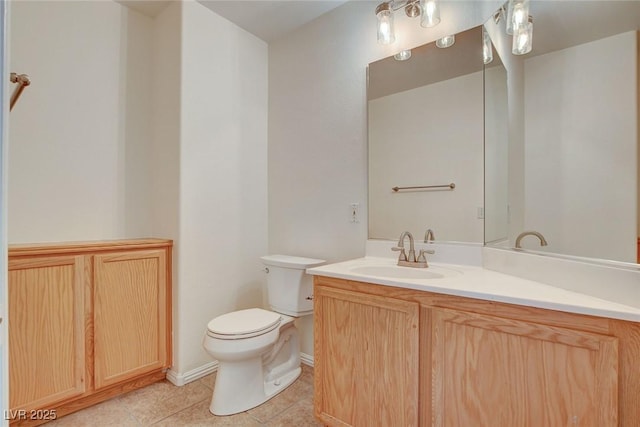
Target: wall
point(223, 176)
point(318, 126)
point(79, 133)
point(496, 153)
point(415, 139)
point(566, 195)
point(136, 127)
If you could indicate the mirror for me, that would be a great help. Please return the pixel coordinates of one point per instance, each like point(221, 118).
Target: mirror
point(572, 119)
point(426, 129)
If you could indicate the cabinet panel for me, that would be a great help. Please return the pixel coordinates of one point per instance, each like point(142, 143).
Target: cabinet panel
point(491, 371)
point(366, 359)
point(130, 324)
point(46, 329)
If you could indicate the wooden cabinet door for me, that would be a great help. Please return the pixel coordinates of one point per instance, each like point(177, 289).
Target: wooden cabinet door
point(130, 314)
point(491, 371)
point(47, 329)
point(366, 359)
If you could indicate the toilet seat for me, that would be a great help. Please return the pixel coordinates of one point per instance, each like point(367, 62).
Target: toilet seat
point(243, 324)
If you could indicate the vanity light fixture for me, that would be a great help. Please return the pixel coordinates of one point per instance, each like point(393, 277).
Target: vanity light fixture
point(403, 55)
point(518, 23)
point(428, 10)
point(446, 41)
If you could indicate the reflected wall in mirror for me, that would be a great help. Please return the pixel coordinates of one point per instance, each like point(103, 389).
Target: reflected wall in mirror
point(426, 128)
point(573, 130)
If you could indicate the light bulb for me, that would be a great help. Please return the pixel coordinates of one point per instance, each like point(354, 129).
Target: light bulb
point(430, 13)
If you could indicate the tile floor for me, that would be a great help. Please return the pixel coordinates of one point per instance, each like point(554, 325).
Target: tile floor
point(163, 404)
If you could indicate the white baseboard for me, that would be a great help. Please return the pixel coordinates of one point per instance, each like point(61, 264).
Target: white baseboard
point(306, 359)
point(179, 379)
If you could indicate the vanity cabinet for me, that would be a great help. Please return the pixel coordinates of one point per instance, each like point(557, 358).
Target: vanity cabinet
point(366, 359)
point(479, 363)
point(87, 321)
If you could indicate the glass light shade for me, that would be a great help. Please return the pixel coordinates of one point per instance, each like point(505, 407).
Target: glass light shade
point(446, 41)
point(386, 34)
point(430, 13)
point(487, 50)
point(520, 14)
point(403, 55)
point(517, 15)
point(523, 39)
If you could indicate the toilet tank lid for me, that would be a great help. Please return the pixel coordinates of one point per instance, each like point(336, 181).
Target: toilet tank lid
point(288, 261)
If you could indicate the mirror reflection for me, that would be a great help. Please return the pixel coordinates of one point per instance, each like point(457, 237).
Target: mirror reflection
point(426, 129)
point(572, 118)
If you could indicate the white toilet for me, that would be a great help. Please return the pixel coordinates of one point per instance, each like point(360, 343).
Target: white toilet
point(258, 350)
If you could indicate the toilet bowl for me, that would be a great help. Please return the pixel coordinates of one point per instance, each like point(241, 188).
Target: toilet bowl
point(258, 350)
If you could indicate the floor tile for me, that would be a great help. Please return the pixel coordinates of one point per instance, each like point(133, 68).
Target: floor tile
point(160, 400)
point(109, 413)
point(163, 404)
point(199, 415)
point(298, 415)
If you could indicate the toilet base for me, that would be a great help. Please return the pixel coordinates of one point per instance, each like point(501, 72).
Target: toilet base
point(233, 403)
point(244, 384)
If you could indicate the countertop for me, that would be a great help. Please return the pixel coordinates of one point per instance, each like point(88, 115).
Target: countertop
point(480, 283)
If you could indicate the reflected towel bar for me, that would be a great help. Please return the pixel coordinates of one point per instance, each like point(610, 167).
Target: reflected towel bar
point(422, 187)
point(23, 81)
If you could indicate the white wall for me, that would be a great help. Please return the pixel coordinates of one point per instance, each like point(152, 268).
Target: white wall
point(415, 138)
point(80, 132)
point(581, 200)
point(318, 126)
point(223, 176)
point(496, 154)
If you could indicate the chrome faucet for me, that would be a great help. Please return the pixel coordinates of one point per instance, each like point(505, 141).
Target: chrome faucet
point(429, 236)
point(543, 241)
point(410, 260)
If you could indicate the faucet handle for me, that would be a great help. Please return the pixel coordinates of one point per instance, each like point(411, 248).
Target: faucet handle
point(403, 255)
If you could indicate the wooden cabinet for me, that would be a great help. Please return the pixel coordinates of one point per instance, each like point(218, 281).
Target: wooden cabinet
point(366, 359)
point(130, 315)
point(479, 363)
point(491, 371)
point(87, 321)
point(47, 312)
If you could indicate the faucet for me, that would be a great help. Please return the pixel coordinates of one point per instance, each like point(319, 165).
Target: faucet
point(543, 241)
point(429, 236)
point(400, 247)
point(411, 260)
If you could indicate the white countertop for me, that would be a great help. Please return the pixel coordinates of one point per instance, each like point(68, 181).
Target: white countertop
point(480, 283)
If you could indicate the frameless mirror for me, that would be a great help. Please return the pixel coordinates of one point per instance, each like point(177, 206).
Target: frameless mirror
point(573, 132)
point(426, 123)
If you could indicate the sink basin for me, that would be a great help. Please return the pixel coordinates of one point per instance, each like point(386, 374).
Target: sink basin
point(396, 272)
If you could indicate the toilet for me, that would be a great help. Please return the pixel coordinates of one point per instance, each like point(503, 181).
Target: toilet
point(258, 350)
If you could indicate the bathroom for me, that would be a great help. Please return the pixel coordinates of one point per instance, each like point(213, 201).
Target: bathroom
point(204, 134)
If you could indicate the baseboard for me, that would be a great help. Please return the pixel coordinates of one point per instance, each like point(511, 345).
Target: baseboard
point(306, 359)
point(179, 379)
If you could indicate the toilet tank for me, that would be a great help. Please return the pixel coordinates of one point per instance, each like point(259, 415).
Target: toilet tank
point(289, 288)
